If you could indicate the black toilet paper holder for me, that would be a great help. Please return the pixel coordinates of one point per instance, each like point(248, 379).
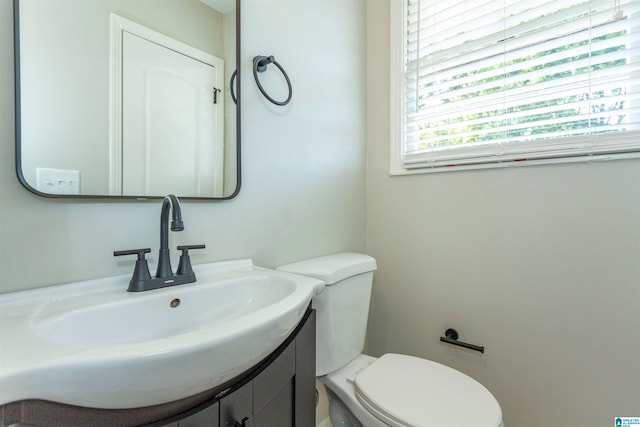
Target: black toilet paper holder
point(451, 337)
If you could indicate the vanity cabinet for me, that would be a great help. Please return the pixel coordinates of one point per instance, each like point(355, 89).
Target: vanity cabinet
point(278, 392)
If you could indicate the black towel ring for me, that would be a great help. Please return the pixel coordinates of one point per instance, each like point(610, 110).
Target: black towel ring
point(260, 65)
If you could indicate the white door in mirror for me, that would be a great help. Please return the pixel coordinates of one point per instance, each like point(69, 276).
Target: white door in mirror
point(172, 121)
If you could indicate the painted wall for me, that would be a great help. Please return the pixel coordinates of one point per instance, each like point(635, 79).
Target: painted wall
point(303, 190)
point(538, 264)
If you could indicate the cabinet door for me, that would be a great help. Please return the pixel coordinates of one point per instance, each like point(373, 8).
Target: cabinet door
point(279, 410)
point(273, 391)
point(237, 407)
point(208, 417)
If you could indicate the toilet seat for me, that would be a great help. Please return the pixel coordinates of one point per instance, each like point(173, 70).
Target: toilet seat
point(406, 391)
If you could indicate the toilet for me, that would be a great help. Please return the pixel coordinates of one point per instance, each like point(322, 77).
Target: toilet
point(393, 390)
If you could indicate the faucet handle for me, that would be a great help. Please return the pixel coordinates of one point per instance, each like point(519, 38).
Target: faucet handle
point(139, 252)
point(141, 271)
point(184, 267)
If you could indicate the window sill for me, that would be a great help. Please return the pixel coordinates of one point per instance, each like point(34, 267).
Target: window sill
point(397, 170)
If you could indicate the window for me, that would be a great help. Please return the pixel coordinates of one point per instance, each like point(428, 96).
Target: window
point(483, 83)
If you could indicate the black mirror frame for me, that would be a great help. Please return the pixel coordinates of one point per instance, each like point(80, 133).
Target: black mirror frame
point(18, 124)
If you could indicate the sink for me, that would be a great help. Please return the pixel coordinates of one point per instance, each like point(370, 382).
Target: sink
point(96, 345)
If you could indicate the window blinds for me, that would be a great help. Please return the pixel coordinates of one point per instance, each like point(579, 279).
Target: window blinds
point(511, 80)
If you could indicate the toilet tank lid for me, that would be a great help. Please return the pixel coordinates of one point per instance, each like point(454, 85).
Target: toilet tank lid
point(332, 268)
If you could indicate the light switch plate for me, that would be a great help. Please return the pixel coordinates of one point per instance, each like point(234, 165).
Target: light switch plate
point(58, 181)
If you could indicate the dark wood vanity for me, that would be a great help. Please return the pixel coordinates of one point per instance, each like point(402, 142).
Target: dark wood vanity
point(277, 392)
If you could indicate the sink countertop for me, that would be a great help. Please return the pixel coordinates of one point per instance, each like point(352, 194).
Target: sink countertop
point(94, 344)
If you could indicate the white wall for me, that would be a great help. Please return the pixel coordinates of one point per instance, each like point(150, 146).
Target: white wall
point(303, 190)
point(538, 264)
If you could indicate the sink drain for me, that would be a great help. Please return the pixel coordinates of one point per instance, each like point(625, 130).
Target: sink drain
point(174, 302)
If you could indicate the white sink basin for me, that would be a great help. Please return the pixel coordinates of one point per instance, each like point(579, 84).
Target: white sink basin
point(94, 344)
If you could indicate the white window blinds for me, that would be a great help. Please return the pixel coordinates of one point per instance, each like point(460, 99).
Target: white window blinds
point(490, 81)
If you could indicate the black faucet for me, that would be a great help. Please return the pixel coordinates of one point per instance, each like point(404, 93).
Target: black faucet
point(141, 279)
point(169, 203)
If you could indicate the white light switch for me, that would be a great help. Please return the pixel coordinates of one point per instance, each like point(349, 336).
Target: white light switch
point(58, 181)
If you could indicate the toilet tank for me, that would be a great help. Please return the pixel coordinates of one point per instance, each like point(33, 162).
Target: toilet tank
point(342, 308)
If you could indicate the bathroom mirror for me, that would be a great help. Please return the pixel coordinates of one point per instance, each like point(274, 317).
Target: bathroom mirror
point(128, 98)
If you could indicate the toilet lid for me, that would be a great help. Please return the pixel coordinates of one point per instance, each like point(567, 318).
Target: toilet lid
point(406, 391)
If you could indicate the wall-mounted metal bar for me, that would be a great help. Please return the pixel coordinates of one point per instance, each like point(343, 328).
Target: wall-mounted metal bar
point(451, 337)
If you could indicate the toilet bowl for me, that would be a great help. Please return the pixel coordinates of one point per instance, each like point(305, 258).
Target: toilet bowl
point(392, 390)
point(398, 390)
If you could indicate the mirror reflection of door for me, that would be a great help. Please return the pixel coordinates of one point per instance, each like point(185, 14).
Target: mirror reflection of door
point(171, 132)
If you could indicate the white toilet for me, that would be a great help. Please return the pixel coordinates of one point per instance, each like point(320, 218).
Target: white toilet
point(393, 390)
